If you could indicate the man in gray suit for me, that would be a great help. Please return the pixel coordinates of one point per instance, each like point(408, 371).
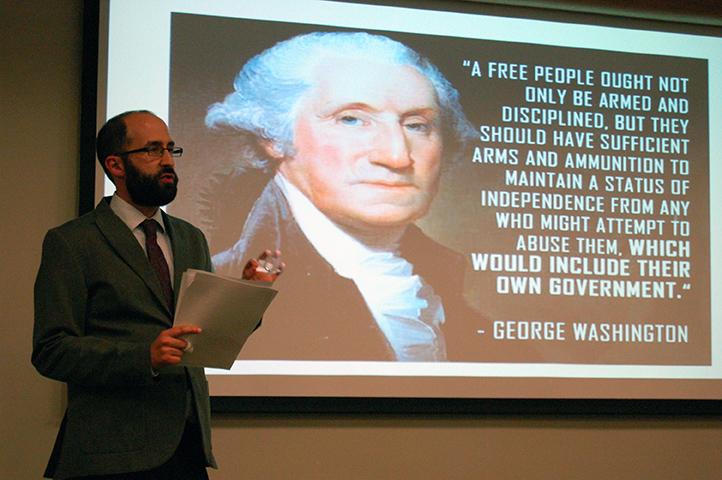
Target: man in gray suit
point(104, 320)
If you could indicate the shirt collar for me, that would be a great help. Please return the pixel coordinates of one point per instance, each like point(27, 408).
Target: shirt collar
point(130, 215)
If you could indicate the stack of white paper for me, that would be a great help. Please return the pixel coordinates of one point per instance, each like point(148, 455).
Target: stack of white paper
point(227, 309)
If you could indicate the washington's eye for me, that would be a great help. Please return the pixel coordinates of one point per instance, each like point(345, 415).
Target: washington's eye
point(418, 126)
point(350, 120)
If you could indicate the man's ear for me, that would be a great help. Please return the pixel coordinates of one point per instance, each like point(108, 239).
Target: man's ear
point(114, 165)
point(272, 149)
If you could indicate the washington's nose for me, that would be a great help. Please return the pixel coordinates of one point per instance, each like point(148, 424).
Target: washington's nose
point(392, 148)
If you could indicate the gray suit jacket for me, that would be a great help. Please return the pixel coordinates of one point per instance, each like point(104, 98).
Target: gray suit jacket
point(98, 307)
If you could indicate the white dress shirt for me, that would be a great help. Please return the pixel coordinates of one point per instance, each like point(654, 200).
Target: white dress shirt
point(132, 217)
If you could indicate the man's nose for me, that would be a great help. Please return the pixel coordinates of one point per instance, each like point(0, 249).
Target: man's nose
point(167, 159)
point(392, 148)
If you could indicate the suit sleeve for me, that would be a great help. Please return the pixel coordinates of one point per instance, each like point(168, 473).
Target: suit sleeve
point(61, 350)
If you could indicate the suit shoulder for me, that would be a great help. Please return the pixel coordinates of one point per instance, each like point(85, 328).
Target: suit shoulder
point(185, 232)
point(179, 223)
point(76, 226)
point(415, 240)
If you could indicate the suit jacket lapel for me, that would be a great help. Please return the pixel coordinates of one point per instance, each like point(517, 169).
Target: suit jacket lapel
point(122, 240)
point(179, 244)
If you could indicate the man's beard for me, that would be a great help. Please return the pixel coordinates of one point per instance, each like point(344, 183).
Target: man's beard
point(148, 190)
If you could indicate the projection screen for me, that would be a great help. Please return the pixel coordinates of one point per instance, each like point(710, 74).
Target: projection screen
point(469, 206)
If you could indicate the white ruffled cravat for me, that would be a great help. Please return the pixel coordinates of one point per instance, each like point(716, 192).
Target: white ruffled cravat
point(406, 309)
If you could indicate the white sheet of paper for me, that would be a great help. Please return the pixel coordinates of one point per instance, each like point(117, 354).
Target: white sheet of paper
point(227, 309)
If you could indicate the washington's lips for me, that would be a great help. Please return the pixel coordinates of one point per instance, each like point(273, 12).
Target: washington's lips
point(386, 183)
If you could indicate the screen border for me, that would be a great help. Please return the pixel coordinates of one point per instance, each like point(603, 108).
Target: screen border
point(703, 21)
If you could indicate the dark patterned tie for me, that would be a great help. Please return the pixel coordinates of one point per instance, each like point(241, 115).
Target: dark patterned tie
point(157, 259)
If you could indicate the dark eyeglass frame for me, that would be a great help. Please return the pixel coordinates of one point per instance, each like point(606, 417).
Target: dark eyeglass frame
point(155, 151)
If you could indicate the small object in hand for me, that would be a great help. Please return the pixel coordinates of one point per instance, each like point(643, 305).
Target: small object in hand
point(189, 347)
point(266, 268)
point(269, 265)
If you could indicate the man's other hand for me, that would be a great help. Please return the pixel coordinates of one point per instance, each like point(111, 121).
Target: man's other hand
point(266, 268)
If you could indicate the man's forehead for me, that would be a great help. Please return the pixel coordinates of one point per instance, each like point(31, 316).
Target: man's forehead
point(146, 127)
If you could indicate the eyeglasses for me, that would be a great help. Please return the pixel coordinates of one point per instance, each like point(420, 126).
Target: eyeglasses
point(155, 151)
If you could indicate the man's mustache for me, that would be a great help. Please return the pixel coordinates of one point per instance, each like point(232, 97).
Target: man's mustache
point(167, 171)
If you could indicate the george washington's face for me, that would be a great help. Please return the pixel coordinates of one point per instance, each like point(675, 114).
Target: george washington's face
point(367, 144)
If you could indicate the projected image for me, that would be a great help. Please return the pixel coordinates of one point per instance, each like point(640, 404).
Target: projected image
point(354, 129)
point(449, 199)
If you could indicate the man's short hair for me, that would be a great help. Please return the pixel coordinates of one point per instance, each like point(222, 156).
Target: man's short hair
point(113, 137)
point(270, 85)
